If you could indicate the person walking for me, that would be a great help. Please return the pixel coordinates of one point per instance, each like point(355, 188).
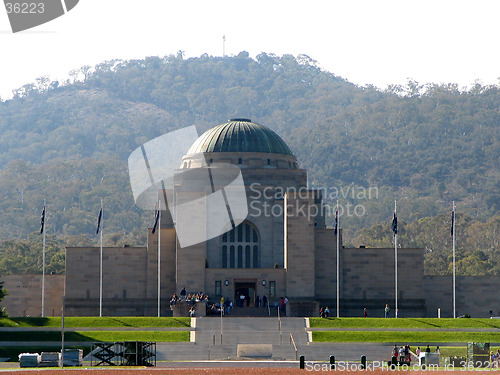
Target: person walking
point(386, 310)
point(365, 313)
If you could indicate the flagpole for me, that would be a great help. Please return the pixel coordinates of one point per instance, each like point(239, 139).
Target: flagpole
point(62, 331)
point(100, 262)
point(396, 263)
point(454, 274)
point(159, 253)
point(43, 260)
point(338, 260)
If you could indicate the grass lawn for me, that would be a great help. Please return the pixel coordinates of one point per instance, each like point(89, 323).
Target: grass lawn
point(108, 322)
point(403, 323)
point(399, 337)
point(41, 336)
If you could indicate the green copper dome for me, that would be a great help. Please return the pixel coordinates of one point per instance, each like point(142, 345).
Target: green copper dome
point(240, 135)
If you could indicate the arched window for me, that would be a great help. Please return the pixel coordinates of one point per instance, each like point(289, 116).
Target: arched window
point(244, 247)
point(224, 256)
point(231, 256)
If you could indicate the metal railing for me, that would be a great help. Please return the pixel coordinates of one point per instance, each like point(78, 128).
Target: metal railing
point(279, 327)
point(292, 341)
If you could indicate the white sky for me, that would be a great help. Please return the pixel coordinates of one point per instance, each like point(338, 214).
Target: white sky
point(366, 42)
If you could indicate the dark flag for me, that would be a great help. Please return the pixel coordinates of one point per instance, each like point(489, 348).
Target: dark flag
point(99, 222)
point(42, 221)
point(336, 222)
point(395, 224)
point(452, 221)
point(157, 218)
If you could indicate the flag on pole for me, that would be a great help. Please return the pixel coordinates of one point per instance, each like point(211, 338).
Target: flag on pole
point(452, 221)
point(395, 224)
point(336, 221)
point(157, 218)
point(99, 222)
point(42, 221)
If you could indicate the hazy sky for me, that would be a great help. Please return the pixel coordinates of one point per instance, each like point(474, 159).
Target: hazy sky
point(366, 42)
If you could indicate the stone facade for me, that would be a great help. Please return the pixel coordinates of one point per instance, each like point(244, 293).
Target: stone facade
point(25, 294)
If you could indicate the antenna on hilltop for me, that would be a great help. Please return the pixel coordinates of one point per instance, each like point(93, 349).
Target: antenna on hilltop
point(223, 46)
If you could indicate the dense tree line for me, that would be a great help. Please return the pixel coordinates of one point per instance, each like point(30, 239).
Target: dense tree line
point(68, 142)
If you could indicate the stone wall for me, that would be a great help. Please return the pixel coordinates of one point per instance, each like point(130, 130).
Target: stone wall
point(326, 263)
point(475, 295)
point(368, 281)
point(124, 281)
point(25, 294)
point(300, 244)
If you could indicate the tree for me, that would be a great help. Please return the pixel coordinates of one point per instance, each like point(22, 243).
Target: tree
point(3, 294)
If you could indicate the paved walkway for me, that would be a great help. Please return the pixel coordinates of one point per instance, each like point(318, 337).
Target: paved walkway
point(405, 329)
point(73, 329)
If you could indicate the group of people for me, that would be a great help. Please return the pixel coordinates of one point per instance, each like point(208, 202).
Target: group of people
point(243, 300)
point(261, 302)
point(190, 298)
point(283, 303)
point(324, 312)
point(495, 359)
point(404, 353)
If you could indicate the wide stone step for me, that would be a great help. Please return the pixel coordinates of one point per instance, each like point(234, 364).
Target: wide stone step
point(194, 352)
point(245, 324)
point(275, 338)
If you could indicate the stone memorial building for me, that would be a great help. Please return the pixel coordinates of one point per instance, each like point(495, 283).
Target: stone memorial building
point(281, 247)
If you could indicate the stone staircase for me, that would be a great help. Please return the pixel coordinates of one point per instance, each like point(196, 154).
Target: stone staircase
point(206, 338)
point(206, 341)
point(253, 312)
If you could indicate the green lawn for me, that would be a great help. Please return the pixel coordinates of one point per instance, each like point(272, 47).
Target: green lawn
point(108, 322)
point(399, 337)
point(403, 323)
point(43, 336)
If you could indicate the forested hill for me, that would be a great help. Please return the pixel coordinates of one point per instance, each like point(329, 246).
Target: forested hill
point(68, 142)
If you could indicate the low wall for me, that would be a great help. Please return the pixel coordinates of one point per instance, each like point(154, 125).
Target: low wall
point(181, 309)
